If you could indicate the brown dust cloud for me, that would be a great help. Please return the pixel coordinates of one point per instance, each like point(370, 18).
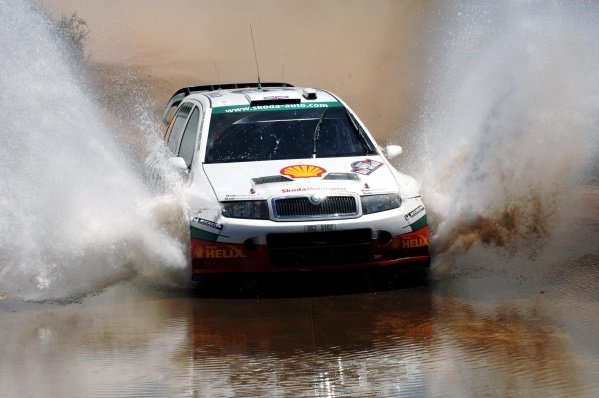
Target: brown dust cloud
point(492, 103)
point(367, 52)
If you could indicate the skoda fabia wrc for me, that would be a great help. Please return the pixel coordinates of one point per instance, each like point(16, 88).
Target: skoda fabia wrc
point(280, 178)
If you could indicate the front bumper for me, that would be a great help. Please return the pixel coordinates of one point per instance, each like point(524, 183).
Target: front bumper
point(310, 251)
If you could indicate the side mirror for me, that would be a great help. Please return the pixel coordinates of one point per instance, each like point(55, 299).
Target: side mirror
point(392, 151)
point(178, 163)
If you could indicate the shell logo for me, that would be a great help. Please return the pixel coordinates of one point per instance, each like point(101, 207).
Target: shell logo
point(302, 171)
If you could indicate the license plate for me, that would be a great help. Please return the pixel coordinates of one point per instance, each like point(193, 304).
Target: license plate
point(320, 228)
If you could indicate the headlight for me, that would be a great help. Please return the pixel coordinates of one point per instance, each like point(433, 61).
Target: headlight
point(377, 203)
point(257, 209)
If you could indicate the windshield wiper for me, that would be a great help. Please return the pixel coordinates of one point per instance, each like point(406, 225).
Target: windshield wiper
point(317, 132)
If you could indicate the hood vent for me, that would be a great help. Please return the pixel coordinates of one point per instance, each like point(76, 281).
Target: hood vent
point(270, 179)
point(342, 176)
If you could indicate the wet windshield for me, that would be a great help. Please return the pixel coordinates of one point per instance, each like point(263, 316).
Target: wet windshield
point(284, 134)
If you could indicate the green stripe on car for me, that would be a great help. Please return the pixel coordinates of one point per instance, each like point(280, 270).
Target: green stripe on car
point(420, 223)
point(197, 233)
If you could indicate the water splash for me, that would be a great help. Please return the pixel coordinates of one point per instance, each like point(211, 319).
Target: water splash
point(509, 123)
point(74, 215)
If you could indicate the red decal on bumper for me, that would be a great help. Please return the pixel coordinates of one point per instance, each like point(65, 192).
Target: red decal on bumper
point(411, 245)
point(215, 257)
point(416, 239)
point(226, 257)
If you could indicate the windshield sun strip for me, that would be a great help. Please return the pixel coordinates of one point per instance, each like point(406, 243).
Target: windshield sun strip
point(276, 107)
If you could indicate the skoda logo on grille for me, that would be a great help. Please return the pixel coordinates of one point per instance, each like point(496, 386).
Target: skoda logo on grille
point(315, 199)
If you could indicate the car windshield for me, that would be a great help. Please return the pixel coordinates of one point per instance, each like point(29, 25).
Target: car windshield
point(282, 132)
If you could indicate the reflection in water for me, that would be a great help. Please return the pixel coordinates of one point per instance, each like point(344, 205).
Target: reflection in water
point(322, 346)
point(422, 341)
point(507, 352)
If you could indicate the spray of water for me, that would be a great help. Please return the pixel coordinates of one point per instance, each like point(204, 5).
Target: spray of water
point(74, 215)
point(509, 123)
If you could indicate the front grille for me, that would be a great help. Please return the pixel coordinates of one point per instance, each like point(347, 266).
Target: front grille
point(319, 248)
point(329, 207)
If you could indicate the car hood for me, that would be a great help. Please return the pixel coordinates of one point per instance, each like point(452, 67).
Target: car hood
point(265, 179)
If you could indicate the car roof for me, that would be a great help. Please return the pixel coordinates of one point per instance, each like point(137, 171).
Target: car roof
point(249, 94)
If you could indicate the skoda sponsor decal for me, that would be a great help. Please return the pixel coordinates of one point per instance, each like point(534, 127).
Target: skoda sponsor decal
point(365, 167)
point(252, 196)
point(369, 191)
point(207, 223)
point(421, 220)
point(199, 228)
point(309, 189)
point(414, 212)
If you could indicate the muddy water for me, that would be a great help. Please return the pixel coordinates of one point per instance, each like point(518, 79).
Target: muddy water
point(484, 332)
point(491, 327)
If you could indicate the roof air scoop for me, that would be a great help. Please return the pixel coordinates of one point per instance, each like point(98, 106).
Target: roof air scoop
point(309, 93)
point(272, 97)
point(275, 101)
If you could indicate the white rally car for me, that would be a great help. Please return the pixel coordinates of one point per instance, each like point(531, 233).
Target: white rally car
point(280, 178)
